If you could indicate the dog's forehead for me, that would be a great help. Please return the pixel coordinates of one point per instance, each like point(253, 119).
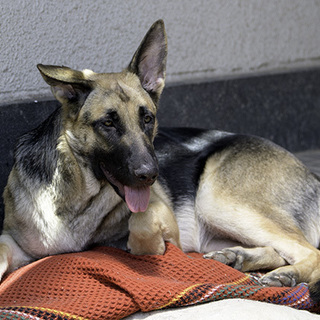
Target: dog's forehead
point(119, 90)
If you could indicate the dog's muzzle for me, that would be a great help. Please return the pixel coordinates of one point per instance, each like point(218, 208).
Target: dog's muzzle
point(136, 197)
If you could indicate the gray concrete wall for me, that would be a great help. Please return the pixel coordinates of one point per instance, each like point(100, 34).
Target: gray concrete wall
point(207, 38)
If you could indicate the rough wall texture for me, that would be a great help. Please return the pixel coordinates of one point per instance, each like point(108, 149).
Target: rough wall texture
point(207, 38)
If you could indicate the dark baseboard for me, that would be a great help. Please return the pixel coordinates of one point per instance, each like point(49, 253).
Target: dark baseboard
point(284, 108)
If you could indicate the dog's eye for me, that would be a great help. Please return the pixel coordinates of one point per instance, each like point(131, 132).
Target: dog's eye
point(147, 119)
point(108, 123)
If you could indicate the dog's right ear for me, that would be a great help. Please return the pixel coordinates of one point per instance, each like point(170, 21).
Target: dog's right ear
point(68, 86)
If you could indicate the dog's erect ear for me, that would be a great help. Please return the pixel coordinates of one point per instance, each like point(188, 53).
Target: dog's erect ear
point(149, 61)
point(68, 85)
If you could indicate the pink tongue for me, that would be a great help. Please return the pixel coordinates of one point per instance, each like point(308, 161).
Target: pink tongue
point(137, 199)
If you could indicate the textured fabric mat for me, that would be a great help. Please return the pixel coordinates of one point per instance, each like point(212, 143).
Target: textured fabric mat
point(107, 283)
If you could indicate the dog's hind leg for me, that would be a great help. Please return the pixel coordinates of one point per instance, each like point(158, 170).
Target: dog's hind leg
point(272, 245)
point(11, 255)
point(248, 259)
point(303, 268)
point(273, 203)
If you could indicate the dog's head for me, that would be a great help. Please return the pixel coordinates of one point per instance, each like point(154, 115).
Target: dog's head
point(110, 118)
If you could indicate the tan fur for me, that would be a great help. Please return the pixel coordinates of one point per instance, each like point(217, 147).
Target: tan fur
point(150, 231)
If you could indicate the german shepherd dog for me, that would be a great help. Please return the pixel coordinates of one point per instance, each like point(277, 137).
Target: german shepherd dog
point(96, 170)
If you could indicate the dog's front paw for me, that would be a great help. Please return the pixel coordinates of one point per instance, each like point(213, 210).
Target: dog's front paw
point(139, 245)
point(4, 259)
point(148, 231)
point(4, 266)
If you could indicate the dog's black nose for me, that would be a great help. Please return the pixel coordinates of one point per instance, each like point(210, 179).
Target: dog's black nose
point(147, 174)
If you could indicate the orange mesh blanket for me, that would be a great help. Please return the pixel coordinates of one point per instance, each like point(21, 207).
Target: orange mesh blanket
point(107, 283)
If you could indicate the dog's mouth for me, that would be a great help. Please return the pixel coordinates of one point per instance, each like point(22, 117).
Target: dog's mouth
point(136, 198)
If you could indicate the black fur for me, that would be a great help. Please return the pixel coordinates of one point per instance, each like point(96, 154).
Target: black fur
point(181, 167)
point(36, 151)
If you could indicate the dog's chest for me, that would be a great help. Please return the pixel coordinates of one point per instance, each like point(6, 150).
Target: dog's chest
point(73, 226)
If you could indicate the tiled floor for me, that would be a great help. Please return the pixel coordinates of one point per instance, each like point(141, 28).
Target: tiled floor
point(312, 159)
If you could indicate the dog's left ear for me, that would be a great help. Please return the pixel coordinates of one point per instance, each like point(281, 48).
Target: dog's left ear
point(149, 61)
